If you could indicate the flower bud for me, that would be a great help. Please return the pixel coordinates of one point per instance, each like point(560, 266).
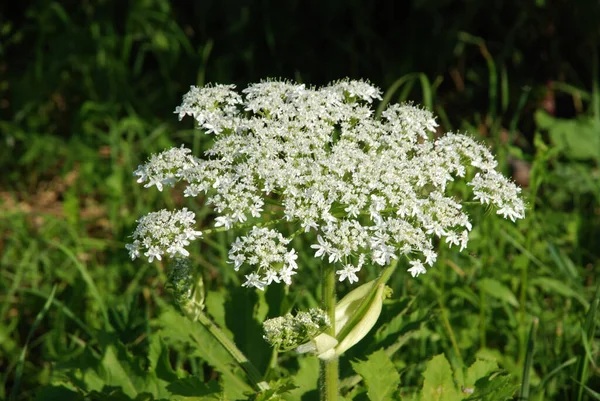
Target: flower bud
point(188, 288)
point(287, 332)
point(327, 347)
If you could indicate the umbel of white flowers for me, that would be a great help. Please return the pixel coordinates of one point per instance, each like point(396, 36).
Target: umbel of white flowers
point(367, 190)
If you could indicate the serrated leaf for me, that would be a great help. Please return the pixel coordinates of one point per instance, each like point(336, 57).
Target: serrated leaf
point(276, 391)
point(57, 393)
point(499, 291)
point(495, 387)
point(480, 368)
point(306, 378)
point(215, 307)
point(379, 374)
point(109, 394)
point(194, 389)
point(158, 356)
point(119, 369)
point(438, 384)
point(179, 329)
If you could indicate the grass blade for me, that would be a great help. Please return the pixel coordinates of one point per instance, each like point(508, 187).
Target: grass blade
point(525, 382)
point(589, 329)
point(21, 361)
point(87, 278)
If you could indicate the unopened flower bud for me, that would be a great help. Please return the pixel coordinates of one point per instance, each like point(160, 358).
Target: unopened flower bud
point(327, 347)
point(287, 332)
point(188, 288)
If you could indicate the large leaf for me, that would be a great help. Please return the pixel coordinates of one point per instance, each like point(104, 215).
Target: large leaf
point(215, 307)
point(494, 387)
point(438, 384)
point(117, 371)
point(194, 389)
point(245, 312)
point(306, 378)
point(550, 285)
point(379, 375)
point(498, 290)
point(57, 392)
point(480, 368)
point(177, 328)
point(578, 139)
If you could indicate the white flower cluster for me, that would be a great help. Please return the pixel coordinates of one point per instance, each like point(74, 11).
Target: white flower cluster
point(164, 169)
point(163, 232)
point(265, 250)
point(369, 189)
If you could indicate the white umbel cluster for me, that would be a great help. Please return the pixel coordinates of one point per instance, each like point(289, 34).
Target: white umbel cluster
point(365, 189)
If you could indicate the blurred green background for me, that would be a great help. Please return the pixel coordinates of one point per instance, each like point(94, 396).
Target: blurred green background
point(87, 92)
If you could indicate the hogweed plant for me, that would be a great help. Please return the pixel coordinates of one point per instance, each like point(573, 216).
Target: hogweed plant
point(365, 190)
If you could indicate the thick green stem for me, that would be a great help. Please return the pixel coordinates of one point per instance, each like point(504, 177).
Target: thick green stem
point(329, 369)
point(238, 356)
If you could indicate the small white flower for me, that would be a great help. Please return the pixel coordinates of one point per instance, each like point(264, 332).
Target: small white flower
point(348, 272)
point(153, 252)
point(237, 260)
point(290, 259)
point(134, 249)
point(323, 248)
point(286, 274)
point(253, 280)
point(224, 221)
point(270, 276)
point(416, 268)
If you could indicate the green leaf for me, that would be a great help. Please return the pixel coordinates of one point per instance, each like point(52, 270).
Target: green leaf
point(118, 369)
point(379, 374)
point(552, 285)
point(592, 393)
point(57, 393)
point(578, 139)
point(111, 394)
point(177, 328)
point(495, 387)
point(245, 312)
point(158, 357)
point(274, 393)
point(438, 384)
point(194, 389)
point(480, 368)
point(215, 307)
point(498, 290)
point(116, 373)
point(306, 378)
